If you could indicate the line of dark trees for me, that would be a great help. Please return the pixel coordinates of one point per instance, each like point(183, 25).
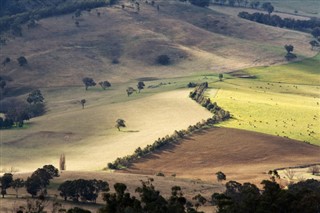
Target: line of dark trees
point(198, 95)
point(14, 14)
point(277, 21)
point(120, 201)
point(301, 197)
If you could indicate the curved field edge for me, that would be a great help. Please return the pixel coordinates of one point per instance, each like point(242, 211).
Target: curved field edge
point(88, 136)
point(242, 155)
point(281, 100)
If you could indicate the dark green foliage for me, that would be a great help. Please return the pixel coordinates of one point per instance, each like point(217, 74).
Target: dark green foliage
point(302, 197)
point(311, 25)
point(129, 91)
point(140, 85)
point(84, 190)
point(40, 179)
point(120, 123)
point(83, 101)
point(221, 176)
point(17, 184)
point(35, 97)
point(267, 6)
point(316, 32)
point(232, 2)
point(88, 82)
point(6, 61)
point(104, 84)
point(289, 48)
point(314, 43)
point(192, 85)
point(120, 201)
point(163, 60)
point(220, 76)
point(5, 181)
point(17, 114)
point(290, 56)
point(200, 3)
point(78, 210)
point(3, 83)
point(22, 61)
point(15, 13)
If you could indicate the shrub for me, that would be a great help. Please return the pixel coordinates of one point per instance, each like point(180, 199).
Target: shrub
point(163, 60)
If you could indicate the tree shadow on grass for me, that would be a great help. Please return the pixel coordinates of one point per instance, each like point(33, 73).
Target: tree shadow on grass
point(129, 131)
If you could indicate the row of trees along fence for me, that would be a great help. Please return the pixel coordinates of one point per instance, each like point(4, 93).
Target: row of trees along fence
point(198, 95)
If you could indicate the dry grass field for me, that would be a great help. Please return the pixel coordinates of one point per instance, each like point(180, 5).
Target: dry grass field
point(200, 46)
point(88, 137)
point(242, 155)
point(60, 53)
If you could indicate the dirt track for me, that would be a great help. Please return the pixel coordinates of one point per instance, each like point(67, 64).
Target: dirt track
point(242, 155)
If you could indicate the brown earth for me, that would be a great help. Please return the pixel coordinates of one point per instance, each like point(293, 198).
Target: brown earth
point(243, 156)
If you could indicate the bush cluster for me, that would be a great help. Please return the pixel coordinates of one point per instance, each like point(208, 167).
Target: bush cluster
point(197, 94)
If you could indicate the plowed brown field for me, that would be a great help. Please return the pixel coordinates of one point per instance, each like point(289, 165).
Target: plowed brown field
point(242, 155)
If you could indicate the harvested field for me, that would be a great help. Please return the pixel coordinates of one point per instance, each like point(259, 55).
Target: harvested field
point(243, 156)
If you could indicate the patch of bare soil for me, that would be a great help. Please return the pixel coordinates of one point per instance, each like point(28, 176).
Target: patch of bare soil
point(243, 156)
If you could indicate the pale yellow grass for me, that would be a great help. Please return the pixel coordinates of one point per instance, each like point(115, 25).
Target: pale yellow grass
point(88, 137)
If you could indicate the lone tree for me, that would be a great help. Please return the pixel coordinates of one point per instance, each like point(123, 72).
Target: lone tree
point(88, 82)
point(120, 123)
point(289, 48)
point(5, 181)
point(221, 176)
point(35, 97)
point(140, 85)
point(267, 6)
point(83, 101)
point(220, 76)
point(130, 90)
point(104, 84)
point(22, 61)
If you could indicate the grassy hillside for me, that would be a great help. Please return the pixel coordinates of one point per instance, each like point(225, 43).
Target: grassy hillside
point(90, 133)
point(61, 53)
point(283, 100)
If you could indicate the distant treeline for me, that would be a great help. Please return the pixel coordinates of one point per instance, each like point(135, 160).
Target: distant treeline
point(277, 21)
point(14, 15)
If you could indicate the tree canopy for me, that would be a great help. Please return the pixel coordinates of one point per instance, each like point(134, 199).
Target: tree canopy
point(200, 3)
point(88, 82)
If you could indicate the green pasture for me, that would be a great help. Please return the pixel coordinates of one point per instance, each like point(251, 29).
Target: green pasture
point(283, 100)
point(304, 7)
point(300, 72)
